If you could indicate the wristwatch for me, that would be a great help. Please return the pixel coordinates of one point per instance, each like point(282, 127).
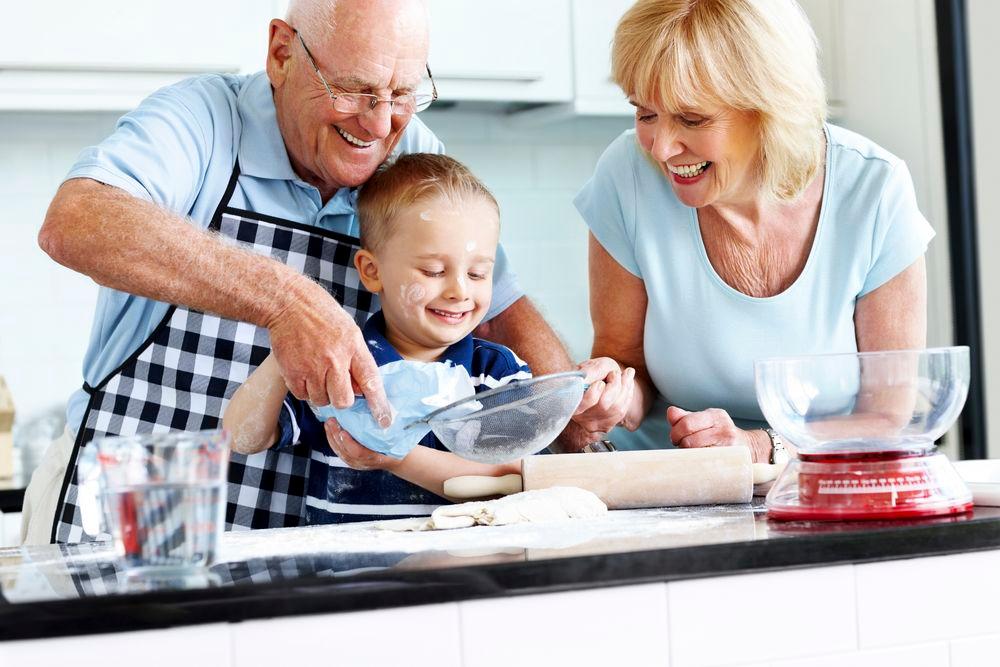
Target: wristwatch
point(599, 446)
point(778, 452)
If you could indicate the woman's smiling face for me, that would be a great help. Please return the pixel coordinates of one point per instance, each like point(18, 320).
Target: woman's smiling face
point(709, 155)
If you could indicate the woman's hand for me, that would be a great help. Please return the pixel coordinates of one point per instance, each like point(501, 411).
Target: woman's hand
point(353, 453)
point(607, 400)
point(715, 428)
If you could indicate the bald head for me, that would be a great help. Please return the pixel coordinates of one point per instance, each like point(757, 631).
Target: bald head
point(326, 20)
point(349, 46)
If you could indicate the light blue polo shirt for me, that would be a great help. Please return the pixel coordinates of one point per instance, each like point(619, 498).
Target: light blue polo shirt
point(177, 149)
point(702, 336)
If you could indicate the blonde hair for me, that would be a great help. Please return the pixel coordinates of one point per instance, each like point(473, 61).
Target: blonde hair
point(758, 56)
point(410, 179)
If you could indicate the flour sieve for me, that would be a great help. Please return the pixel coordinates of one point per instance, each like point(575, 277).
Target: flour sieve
point(507, 423)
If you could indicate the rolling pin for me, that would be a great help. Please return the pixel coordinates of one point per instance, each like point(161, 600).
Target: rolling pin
point(632, 479)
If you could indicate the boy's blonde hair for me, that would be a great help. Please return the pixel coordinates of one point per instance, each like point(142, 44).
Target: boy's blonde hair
point(751, 55)
point(407, 180)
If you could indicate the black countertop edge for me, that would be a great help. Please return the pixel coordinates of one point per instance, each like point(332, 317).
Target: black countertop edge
point(399, 588)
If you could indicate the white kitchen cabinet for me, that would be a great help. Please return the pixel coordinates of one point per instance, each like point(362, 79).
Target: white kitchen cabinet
point(983, 17)
point(594, 23)
point(109, 54)
point(504, 51)
point(824, 15)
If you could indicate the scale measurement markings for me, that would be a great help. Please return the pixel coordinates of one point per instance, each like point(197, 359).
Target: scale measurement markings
point(882, 485)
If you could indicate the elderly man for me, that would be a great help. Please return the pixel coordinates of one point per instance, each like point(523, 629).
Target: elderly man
point(268, 165)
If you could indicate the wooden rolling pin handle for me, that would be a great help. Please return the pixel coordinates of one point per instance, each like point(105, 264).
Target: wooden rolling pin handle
point(766, 472)
point(481, 486)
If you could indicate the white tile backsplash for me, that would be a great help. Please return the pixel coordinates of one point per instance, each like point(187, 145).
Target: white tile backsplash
point(46, 310)
point(909, 601)
point(762, 617)
point(600, 627)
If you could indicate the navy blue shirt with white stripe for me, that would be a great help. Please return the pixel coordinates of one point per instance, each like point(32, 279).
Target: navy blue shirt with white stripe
point(339, 494)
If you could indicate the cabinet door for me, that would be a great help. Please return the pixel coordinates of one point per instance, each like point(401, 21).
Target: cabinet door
point(511, 50)
point(107, 55)
point(123, 35)
point(824, 15)
point(594, 23)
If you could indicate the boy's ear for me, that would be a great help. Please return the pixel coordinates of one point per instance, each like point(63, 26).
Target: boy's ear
point(367, 267)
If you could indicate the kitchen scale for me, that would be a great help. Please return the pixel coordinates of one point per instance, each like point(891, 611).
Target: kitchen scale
point(865, 426)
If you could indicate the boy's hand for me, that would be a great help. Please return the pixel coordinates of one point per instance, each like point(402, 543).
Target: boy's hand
point(353, 453)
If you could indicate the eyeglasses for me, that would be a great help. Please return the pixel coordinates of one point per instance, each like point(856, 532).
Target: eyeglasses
point(359, 103)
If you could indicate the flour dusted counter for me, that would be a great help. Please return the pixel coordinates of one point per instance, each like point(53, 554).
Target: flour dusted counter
point(715, 585)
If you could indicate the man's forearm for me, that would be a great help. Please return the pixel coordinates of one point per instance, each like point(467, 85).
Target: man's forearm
point(523, 329)
point(137, 247)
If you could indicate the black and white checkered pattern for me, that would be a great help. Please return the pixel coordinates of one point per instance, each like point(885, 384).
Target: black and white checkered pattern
point(98, 578)
point(183, 376)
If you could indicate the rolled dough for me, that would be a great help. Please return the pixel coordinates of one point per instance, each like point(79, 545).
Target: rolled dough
point(558, 502)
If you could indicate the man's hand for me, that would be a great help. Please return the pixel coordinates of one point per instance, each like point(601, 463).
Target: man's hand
point(322, 354)
point(353, 453)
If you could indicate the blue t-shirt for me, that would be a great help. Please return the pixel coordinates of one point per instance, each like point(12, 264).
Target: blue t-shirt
point(701, 336)
point(177, 150)
point(339, 494)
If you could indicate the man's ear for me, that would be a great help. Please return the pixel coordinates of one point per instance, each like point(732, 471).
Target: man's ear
point(279, 51)
point(367, 267)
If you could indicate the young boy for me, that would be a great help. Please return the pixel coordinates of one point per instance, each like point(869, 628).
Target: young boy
point(429, 233)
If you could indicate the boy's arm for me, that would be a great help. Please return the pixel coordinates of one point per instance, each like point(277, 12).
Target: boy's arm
point(251, 417)
point(423, 466)
point(430, 468)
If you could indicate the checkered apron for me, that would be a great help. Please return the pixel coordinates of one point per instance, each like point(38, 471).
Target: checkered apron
point(183, 375)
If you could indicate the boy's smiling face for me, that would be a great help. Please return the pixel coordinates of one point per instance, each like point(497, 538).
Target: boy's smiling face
point(434, 273)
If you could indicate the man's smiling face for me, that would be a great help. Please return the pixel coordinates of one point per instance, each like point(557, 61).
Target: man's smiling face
point(377, 48)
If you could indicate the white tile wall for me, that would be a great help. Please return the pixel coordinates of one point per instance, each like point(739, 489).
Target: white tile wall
point(759, 617)
point(535, 169)
point(925, 599)
point(424, 635)
point(600, 627)
point(46, 310)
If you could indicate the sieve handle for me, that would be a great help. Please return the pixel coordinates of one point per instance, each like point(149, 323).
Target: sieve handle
point(480, 486)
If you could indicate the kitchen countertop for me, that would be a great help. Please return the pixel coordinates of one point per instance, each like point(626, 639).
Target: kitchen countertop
point(72, 590)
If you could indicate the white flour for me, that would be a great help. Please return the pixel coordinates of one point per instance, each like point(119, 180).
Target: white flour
point(618, 531)
point(623, 530)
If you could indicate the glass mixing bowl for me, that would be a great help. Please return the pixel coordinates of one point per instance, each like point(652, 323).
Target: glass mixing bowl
point(855, 405)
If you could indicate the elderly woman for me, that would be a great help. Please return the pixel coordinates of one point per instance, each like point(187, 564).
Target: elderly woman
point(734, 224)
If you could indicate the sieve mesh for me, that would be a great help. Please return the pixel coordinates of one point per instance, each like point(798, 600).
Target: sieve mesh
point(516, 420)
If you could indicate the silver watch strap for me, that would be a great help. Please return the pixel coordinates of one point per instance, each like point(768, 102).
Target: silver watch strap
point(778, 452)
